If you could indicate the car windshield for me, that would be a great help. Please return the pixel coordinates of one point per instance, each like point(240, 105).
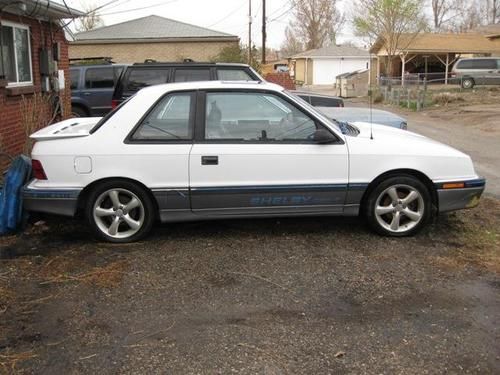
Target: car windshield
point(310, 108)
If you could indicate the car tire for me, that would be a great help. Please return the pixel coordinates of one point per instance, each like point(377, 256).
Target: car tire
point(120, 211)
point(79, 112)
point(468, 83)
point(398, 206)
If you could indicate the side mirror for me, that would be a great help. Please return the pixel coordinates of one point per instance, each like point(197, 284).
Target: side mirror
point(323, 136)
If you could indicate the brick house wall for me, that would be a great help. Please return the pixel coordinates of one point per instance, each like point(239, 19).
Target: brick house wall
point(282, 79)
point(42, 35)
point(128, 53)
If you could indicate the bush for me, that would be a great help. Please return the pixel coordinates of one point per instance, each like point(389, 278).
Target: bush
point(444, 98)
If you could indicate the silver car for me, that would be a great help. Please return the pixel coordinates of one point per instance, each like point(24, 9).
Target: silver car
point(476, 71)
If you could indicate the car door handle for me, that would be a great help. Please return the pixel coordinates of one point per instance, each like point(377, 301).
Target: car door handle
point(87, 93)
point(209, 160)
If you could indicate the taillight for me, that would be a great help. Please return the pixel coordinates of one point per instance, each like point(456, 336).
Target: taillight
point(114, 103)
point(37, 169)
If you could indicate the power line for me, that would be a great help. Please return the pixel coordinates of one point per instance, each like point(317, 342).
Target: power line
point(141, 8)
point(282, 14)
point(228, 15)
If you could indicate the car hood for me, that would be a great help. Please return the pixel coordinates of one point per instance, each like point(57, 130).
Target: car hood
point(71, 128)
point(402, 141)
point(351, 114)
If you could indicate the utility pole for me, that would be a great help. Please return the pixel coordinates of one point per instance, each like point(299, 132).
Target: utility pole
point(263, 31)
point(249, 32)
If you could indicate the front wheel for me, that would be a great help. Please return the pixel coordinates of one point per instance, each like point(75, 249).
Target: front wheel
point(398, 206)
point(120, 211)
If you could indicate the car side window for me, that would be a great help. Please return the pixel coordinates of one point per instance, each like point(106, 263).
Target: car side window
point(191, 75)
point(318, 101)
point(99, 78)
point(255, 117)
point(170, 119)
point(139, 78)
point(233, 75)
point(74, 76)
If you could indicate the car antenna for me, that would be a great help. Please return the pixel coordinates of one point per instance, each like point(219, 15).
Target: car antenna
point(370, 97)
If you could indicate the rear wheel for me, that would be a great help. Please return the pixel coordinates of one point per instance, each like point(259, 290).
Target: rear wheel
point(120, 211)
point(78, 112)
point(398, 206)
point(468, 83)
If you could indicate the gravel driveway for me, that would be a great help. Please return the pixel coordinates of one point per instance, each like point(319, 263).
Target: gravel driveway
point(304, 296)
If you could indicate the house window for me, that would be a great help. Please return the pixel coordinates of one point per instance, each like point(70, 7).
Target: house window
point(15, 54)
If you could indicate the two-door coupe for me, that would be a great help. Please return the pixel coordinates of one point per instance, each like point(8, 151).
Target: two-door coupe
point(211, 150)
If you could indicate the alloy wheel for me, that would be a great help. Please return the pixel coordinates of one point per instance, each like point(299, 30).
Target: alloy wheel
point(399, 208)
point(119, 213)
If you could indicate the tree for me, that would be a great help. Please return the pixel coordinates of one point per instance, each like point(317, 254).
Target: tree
point(90, 21)
point(315, 23)
point(237, 54)
point(394, 23)
point(493, 11)
point(442, 12)
point(291, 45)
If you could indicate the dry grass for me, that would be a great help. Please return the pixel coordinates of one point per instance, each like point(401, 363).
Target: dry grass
point(477, 239)
point(445, 98)
point(8, 362)
point(57, 270)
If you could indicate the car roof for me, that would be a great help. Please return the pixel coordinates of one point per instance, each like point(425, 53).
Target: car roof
point(310, 93)
point(83, 66)
point(204, 85)
point(186, 64)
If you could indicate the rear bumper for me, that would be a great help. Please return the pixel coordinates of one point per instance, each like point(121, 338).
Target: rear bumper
point(451, 199)
point(51, 201)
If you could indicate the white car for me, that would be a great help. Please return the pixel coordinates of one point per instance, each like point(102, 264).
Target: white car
point(218, 150)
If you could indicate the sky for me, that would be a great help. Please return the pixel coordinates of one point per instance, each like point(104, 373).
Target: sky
point(230, 16)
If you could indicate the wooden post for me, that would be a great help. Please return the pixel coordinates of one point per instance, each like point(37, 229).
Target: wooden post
point(403, 65)
point(447, 68)
point(249, 32)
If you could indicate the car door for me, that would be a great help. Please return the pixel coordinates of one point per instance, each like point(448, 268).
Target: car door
point(98, 90)
point(164, 138)
point(254, 155)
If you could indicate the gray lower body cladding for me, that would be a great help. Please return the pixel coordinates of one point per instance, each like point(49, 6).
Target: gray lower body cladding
point(57, 201)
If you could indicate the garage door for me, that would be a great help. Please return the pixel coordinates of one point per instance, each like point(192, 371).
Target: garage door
point(325, 71)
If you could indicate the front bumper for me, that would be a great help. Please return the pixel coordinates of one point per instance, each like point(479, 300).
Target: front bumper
point(458, 198)
point(51, 201)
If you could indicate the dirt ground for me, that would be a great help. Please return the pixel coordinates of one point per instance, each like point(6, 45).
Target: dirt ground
point(315, 295)
point(287, 296)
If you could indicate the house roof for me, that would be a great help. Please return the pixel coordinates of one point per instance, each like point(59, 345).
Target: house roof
point(442, 43)
point(150, 28)
point(333, 51)
point(489, 31)
point(40, 9)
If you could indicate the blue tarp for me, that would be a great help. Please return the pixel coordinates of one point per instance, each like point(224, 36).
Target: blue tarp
point(11, 205)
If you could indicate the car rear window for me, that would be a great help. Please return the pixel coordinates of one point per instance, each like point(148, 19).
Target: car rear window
point(477, 64)
point(233, 75)
point(99, 78)
point(191, 75)
point(139, 78)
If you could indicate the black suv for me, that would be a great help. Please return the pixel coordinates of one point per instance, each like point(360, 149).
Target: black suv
point(138, 76)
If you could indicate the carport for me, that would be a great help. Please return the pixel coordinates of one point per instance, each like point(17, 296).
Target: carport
point(417, 51)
